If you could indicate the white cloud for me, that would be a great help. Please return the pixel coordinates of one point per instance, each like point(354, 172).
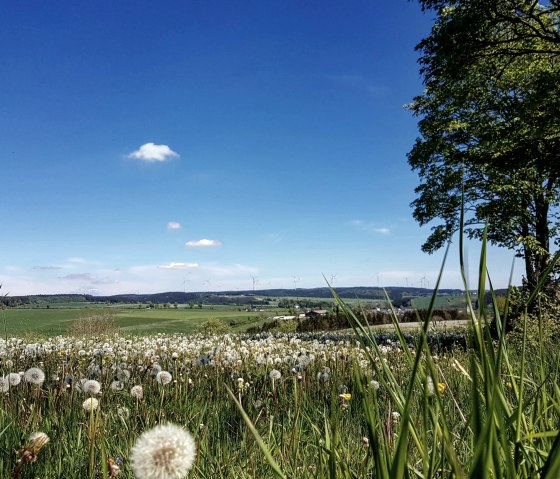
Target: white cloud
point(77, 260)
point(363, 226)
point(152, 152)
point(178, 266)
point(202, 243)
point(173, 225)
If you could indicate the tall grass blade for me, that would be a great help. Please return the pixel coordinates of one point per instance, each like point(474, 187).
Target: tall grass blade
point(273, 464)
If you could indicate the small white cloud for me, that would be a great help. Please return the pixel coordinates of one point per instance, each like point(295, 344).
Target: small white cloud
point(202, 243)
point(77, 260)
point(173, 225)
point(152, 152)
point(78, 277)
point(363, 226)
point(178, 266)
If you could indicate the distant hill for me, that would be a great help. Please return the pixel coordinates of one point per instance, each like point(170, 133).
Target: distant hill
point(397, 294)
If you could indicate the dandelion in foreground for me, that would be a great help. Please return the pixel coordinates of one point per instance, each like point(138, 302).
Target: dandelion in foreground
point(34, 376)
point(165, 452)
point(275, 374)
point(90, 404)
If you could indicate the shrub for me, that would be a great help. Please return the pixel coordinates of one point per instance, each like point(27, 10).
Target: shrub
point(215, 326)
point(94, 324)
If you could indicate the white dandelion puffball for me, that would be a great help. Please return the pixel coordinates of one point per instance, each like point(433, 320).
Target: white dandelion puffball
point(4, 384)
point(275, 374)
point(91, 386)
point(123, 411)
point(90, 404)
point(34, 376)
point(137, 392)
point(164, 377)
point(165, 452)
point(117, 385)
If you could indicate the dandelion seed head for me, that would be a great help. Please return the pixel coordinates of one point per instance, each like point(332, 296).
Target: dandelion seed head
point(117, 385)
point(91, 386)
point(34, 376)
point(4, 384)
point(275, 374)
point(90, 404)
point(165, 452)
point(123, 411)
point(137, 392)
point(164, 377)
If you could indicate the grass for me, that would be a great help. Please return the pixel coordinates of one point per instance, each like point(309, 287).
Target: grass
point(55, 321)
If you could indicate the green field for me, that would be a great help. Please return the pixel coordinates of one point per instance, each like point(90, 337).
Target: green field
point(131, 319)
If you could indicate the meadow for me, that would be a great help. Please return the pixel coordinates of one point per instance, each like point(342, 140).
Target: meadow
point(314, 405)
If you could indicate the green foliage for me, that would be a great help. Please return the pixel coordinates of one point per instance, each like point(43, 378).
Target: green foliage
point(286, 326)
point(215, 326)
point(489, 125)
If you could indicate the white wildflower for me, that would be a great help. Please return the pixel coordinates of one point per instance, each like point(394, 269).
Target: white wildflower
point(90, 404)
point(34, 376)
point(165, 452)
point(164, 377)
point(137, 392)
point(92, 387)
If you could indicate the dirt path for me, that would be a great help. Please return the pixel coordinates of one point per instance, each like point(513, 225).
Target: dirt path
point(438, 325)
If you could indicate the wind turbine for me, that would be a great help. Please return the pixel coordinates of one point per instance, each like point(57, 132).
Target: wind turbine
point(255, 281)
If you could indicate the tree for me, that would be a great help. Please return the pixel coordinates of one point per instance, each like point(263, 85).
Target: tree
point(489, 125)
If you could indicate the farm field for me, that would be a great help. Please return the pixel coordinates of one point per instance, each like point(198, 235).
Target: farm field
point(54, 321)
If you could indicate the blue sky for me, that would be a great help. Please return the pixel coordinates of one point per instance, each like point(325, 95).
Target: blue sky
point(191, 145)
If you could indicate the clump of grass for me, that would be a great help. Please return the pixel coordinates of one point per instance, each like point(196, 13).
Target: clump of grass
point(94, 324)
